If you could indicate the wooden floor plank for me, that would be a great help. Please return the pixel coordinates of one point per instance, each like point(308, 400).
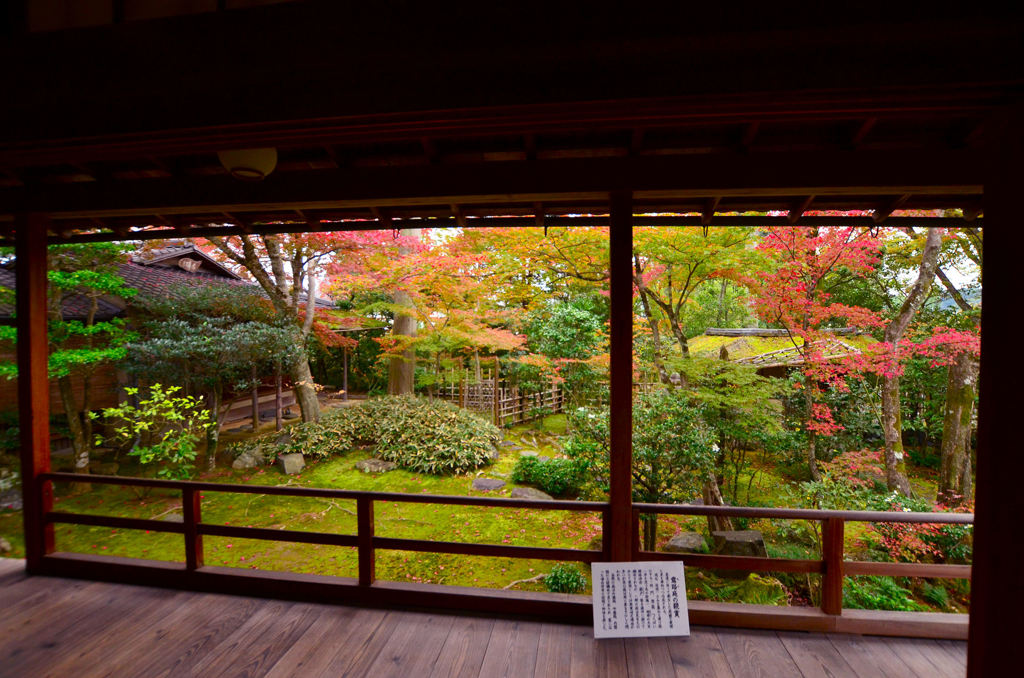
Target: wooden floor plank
point(44, 640)
point(338, 626)
point(463, 651)
point(412, 647)
point(511, 650)
point(915, 654)
point(699, 656)
point(754, 653)
point(354, 658)
point(648, 657)
point(554, 651)
point(58, 627)
point(260, 642)
point(871, 657)
point(816, 656)
point(177, 642)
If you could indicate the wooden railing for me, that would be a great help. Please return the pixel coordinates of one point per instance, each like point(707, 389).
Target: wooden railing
point(832, 566)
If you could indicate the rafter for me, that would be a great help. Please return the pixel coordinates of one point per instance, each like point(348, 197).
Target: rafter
point(799, 208)
point(885, 211)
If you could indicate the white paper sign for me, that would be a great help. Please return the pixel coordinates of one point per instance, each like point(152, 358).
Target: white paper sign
point(634, 600)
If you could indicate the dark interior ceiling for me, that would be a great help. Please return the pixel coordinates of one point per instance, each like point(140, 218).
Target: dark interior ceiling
point(385, 112)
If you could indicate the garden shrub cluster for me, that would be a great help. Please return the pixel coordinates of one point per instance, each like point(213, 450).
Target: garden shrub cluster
point(426, 436)
point(878, 593)
point(557, 477)
point(565, 578)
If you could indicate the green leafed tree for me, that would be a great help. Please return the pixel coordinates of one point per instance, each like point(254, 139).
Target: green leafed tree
point(79, 277)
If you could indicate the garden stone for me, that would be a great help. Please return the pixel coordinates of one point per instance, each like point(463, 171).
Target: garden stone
point(248, 459)
point(487, 484)
point(5, 546)
point(11, 499)
point(288, 414)
point(507, 443)
point(240, 429)
point(283, 438)
point(543, 458)
point(596, 544)
point(291, 463)
point(173, 518)
point(686, 542)
point(738, 543)
point(376, 466)
point(529, 493)
point(527, 453)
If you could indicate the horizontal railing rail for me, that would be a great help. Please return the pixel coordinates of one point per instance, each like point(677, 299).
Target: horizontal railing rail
point(832, 566)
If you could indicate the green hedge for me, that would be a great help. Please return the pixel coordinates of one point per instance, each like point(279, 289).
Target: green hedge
point(557, 477)
point(427, 436)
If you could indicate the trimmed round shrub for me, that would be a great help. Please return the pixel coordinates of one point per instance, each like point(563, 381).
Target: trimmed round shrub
point(417, 434)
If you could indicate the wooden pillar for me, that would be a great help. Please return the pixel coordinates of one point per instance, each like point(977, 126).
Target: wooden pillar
point(344, 373)
point(621, 377)
point(997, 594)
point(497, 395)
point(33, 386)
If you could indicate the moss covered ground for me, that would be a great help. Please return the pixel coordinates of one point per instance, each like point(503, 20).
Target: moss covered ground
point(761, 486)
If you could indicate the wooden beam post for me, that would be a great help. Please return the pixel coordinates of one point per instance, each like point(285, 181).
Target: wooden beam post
point(33, 386)
point(996, 592)
point(832, 553)
point(621, 378)
point(364, 533)
point(192, 515)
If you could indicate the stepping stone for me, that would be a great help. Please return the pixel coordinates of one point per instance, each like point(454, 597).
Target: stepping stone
point(529, 493)
point(291, 464)
point(686, 542)
point(487, 484)
point(376, 466)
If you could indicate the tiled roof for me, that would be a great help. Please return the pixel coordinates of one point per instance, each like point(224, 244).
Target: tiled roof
point(149, 280)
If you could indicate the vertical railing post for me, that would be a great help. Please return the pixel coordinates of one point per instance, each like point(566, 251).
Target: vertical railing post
point(192, 515)
point(364, 534)
point(620, 494)
point(832, 554)
point(497, 395)
point(634, 536)
point(33, 385)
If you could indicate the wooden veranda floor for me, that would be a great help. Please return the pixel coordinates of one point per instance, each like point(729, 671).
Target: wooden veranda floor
point(61, 627)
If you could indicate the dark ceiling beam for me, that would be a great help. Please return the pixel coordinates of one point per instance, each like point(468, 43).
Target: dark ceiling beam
point(459, 216)
point(651, 178)
point(521, 120)
point(883, 212)
point(798, 209)
point(749, 135)
point(709, 210)
point(863, 130)
point(551, 221)
point(430, 150)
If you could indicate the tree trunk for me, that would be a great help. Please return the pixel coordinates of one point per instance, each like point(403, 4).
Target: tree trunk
point(213, 433)
point(892, 427)
point(650, 522)
point(402, 370)
point(79, 444)
point(712, 494)
point(892, 423)
point(812, 437)
point(955, 459)
point(723, 313)
point(305, 390)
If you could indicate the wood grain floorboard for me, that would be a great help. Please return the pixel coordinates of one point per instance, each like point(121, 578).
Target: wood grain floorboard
point(260, 642)
point(648, 657)
point(174, 644)
point(816, 656)
point(871, 657)
point(463, 651)
point(511, 650)
point(44, 640)
point(59, 627)
point(935, 663)
point(756, 654)
point(699, 656)
point(412, 648)
point(95, 658)
point(554, 651)
point(337, 626)
point(354, 659)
